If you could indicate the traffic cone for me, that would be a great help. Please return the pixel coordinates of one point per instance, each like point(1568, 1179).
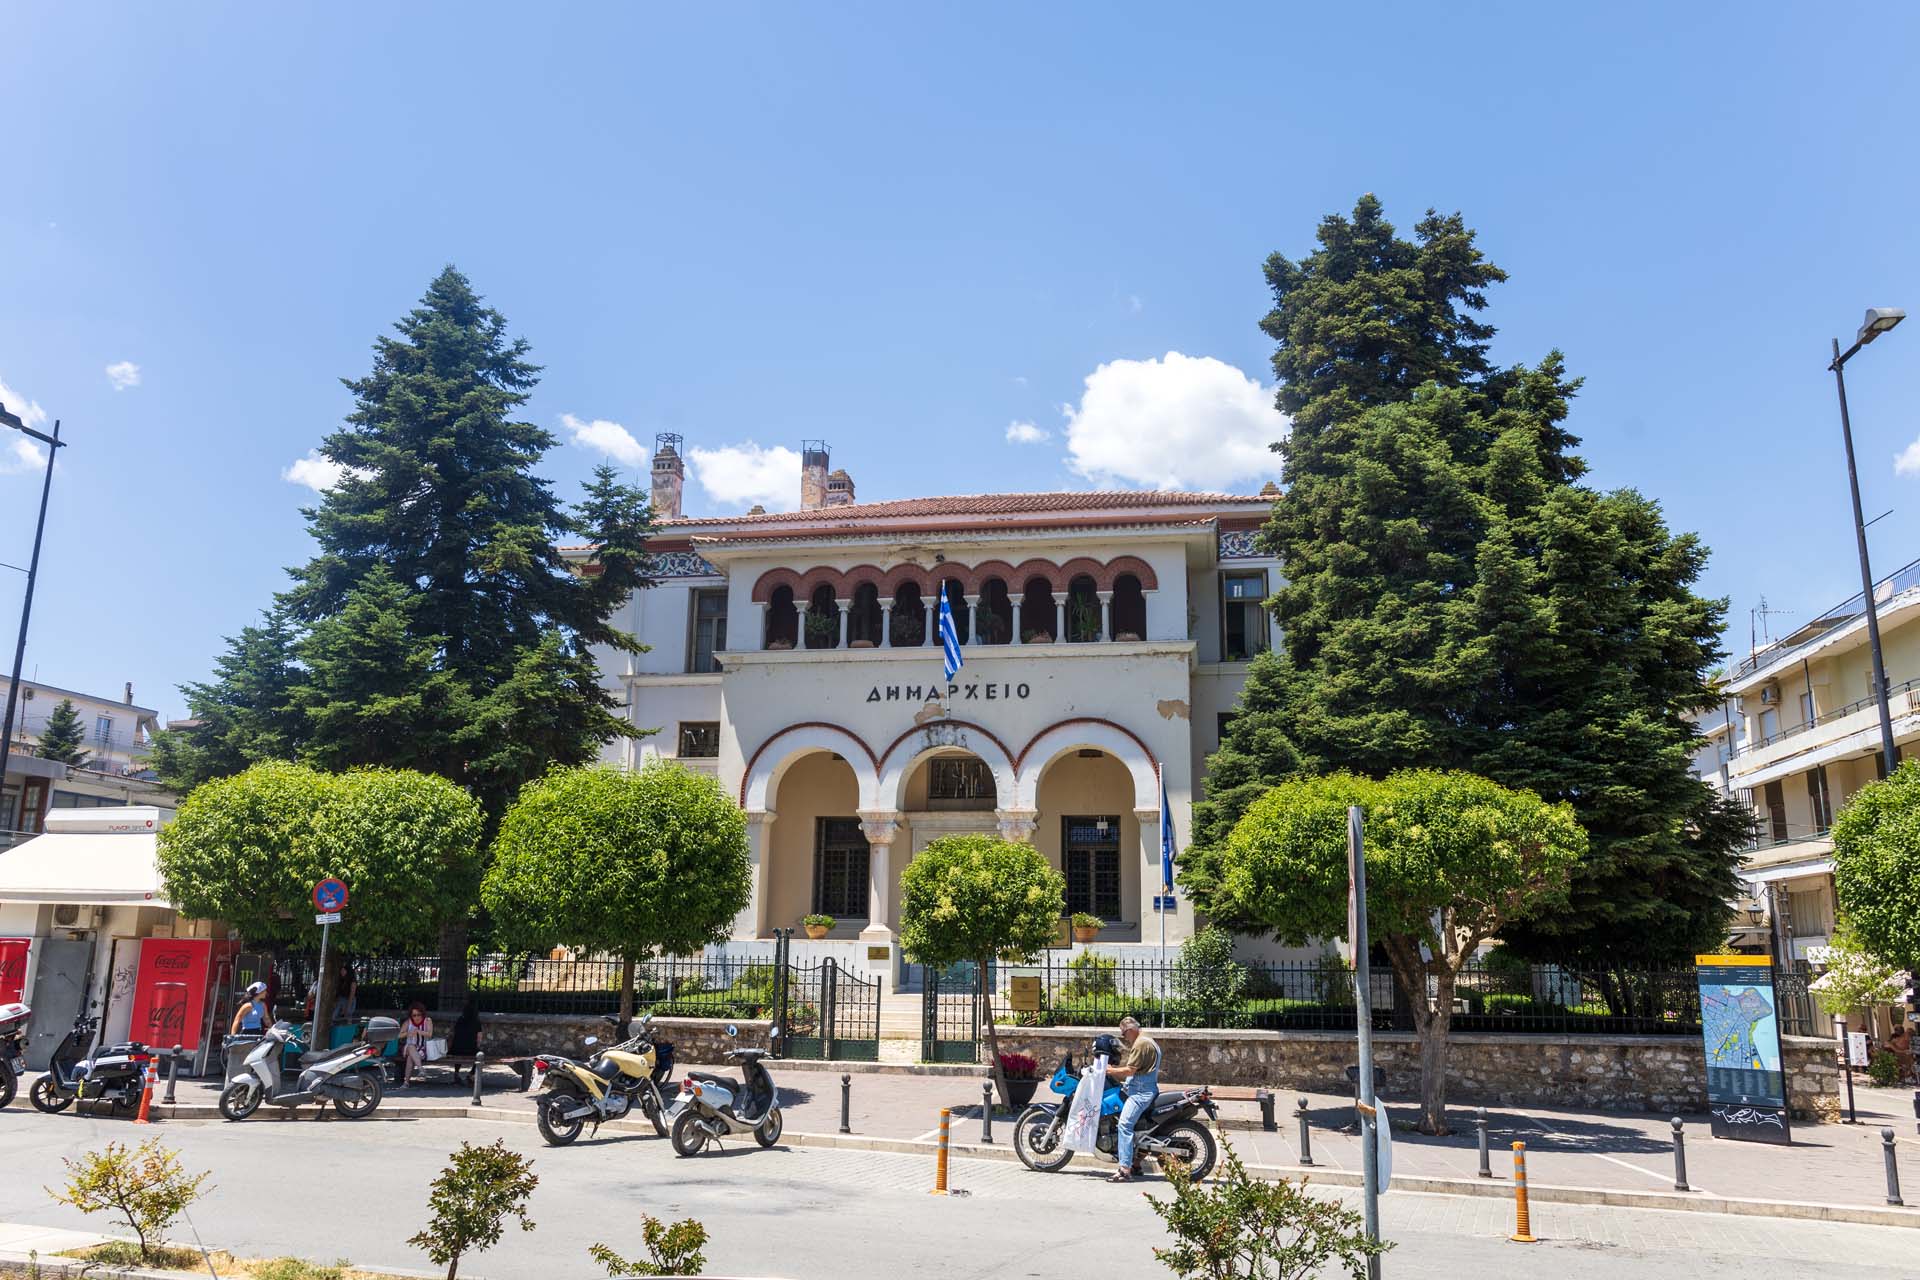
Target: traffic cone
point(146, 1094)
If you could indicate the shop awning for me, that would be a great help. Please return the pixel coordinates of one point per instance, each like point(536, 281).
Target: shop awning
point(89, 857)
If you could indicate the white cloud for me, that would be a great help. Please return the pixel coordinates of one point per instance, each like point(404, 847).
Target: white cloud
point(1134, 304)
point(18, 452)
point(739, 474)
point(608, 438)
point(317, 473)
point(1179, 422)
point(123, 374)
point(1026, 433)
point(1907, 462)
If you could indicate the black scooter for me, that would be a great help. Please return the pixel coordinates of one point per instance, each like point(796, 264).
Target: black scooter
point(114, 1073)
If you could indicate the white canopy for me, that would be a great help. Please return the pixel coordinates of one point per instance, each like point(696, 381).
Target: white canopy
point(90, 857)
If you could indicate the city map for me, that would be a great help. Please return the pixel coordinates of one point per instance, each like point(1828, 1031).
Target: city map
point(1740, 1031)
point(1732, 1019)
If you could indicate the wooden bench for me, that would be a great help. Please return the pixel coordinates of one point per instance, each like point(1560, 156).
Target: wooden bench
point(1236, 1093)
point(459, 1062)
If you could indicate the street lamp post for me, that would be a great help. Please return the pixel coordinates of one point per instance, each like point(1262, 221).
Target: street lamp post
point(1878, 321)
point(33, 571)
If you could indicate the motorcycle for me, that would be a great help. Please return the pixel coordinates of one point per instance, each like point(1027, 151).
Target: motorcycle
point(1168, 1130)
point(350, 1076)
point(117, 1073)
point(605, 1087)
point(13, 1051)
point(710, 1107)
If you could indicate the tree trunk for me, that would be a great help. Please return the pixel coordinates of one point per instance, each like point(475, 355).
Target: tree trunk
point(1433, 1052)
point(993, 1037)
point(453, 964)
point(626, 991)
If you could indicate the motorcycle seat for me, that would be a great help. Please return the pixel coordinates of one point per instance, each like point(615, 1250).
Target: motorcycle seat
point(725, 1082)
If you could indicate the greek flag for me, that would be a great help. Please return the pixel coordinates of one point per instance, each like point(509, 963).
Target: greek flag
point(949, 636)
point(1166, 840)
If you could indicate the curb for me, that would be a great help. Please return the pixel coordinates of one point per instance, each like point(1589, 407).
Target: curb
point(49, 1265)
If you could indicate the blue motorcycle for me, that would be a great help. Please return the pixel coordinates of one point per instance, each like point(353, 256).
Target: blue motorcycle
point(1170, 1129)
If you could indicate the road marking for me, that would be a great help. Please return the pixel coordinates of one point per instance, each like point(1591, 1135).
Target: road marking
point(1544, 1127)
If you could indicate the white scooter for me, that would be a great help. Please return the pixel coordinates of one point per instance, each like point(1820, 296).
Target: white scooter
point(349, 1077)
point(13, 1059)
point(711, 1107)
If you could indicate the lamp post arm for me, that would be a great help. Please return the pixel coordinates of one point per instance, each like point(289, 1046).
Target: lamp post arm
point(1888, 756)
point(26, 606)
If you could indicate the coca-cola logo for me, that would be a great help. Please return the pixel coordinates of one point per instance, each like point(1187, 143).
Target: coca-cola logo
point(169, 1017)
point(172, 960)
point(13, 967)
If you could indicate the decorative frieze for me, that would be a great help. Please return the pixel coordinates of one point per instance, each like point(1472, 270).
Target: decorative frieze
point(680, 564)
point(1240, 544)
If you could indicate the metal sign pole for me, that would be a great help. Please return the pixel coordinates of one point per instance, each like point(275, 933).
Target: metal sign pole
point(1363, 1022)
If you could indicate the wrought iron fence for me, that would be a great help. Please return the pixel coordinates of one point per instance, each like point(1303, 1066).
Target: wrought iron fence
point(1096, 990)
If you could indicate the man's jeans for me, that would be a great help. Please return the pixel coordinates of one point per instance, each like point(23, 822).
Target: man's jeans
point(1140, 1091)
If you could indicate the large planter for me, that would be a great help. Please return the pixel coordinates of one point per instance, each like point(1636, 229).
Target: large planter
point(816, 931)
point(1020, 1093)
point(1083, 933)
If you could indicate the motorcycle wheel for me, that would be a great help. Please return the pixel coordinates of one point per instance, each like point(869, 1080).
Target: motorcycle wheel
point(557, 1132)
point(8, 1085)
point(655, 1112)
point(47, 1097)
point(769, 1131)
point(240, 1099)
point(689, 1139)
point(1037, 1135)
point(125, 1103)
point(1191, 1145)
point(370, 1091)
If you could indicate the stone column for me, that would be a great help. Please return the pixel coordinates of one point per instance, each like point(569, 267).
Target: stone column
point(1060, 620)
point(881, 828)
point(765, 608)
point(845, 605)
point(1017, 825)
point(1019, 610)
point(973, 620)
point(886, 623)
point(752, 921)
point(1106, 615)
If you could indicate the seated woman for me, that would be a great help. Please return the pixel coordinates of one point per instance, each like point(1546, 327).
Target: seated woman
point(1900, 1045)
point(415, 1030)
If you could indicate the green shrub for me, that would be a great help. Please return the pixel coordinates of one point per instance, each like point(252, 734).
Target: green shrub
point(1883, 1069)
point(675, 1250)
point(1092, 975)
point(146, 1185)
point(1241, 1225)
point(471, 1200)
point(1206, 974)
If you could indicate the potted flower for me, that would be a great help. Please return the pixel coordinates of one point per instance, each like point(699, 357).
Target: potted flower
point(817, 925)
point(1086, 927)
point(1037, 636)
point(780, 642)
point(1023, 1078)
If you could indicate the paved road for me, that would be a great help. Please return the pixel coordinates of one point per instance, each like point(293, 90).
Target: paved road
point(357, 1190)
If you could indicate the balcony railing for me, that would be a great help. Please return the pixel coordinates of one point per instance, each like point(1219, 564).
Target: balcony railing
point(1901, 579)
point(1825, 718)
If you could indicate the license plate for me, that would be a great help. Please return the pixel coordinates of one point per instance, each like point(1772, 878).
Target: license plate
point(19, 1066)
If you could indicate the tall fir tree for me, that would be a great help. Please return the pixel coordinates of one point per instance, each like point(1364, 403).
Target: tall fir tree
point(62, 737)
point(240, 717)
point(1455, 599)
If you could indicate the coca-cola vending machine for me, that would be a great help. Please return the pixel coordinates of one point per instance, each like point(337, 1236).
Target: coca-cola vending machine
point(171, 990)
point(13, 969)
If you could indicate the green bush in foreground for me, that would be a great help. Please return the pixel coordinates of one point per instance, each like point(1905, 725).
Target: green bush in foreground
point(1241, 1227)
point(672, 1250)
point(146, 1185)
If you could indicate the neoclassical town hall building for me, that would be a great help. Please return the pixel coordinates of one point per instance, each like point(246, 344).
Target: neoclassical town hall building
point(794, 656)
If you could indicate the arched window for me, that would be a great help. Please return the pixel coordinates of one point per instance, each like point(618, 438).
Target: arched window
point(1038, 618)
point(1083, 610)
point(909, 616)
point(1129, 609)
point(823, 619)
point(957, 602)
point(863, 619)
point(783, 621)
point(994, 616)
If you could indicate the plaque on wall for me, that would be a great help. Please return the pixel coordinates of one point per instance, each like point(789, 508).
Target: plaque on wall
point(879, 953)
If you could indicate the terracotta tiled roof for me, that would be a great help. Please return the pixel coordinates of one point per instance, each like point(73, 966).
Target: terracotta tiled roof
point(981, 504)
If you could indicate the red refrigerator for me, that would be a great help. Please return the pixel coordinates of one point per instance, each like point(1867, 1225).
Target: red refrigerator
point(172, 988)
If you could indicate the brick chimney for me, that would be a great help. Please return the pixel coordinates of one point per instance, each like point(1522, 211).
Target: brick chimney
point(669, 475)
point(813, 474)
point(839, 489)
point(129, 693)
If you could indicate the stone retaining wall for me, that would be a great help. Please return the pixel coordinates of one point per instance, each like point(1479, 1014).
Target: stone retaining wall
point(1621, 1073)
point(521, 1035)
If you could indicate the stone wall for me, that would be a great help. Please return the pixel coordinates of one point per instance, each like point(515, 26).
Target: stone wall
point(520, 1035)
point(1620, 1073)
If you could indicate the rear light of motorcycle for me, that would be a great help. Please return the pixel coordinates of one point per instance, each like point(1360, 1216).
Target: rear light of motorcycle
point(539, 1066)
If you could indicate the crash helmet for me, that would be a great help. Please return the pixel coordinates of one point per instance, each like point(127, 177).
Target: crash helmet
point(1109, 1045)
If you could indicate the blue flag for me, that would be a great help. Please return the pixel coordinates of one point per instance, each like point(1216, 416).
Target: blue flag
point(1166, 840)
point(949, 636)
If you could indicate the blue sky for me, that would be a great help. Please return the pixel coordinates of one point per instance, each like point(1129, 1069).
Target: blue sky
point(907, 232)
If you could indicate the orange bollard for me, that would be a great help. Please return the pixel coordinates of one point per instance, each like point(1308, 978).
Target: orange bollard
point(940, 1159)
point(1522, 1224)
point(146, 1094)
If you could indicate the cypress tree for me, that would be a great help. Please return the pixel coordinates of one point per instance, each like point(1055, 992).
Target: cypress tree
point(62, 737)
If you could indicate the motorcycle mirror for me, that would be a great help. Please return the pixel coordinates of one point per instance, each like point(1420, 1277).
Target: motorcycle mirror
point(590, 1041)
point(732, 1030)
point(773, 1033)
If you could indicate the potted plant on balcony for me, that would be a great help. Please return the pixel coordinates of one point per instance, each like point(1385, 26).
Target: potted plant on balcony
point(1037, 636)
point(823, 630)
point(991, 626)
point(816, 925)
point(1086, 927)
point(1083, 619)
point(1022, 1074)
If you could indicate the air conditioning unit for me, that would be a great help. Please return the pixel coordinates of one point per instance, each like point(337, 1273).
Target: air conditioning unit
point(70, 915)
point(1769, 695)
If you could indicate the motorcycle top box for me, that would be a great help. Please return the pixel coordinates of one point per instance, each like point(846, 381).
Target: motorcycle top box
point(381, 1031)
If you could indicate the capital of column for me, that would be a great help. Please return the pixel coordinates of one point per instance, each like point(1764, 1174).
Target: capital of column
point(880, 826)
point(1017, 825)
point(1149, 818)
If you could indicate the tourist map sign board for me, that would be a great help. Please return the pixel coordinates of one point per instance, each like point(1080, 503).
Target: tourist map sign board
point(1746, 1075)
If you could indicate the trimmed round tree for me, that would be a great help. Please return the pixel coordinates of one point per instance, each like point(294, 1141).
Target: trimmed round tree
point(249, 849)
point(626, 863)
point(974, 898)
point(1451, 857)
point(1876, 875)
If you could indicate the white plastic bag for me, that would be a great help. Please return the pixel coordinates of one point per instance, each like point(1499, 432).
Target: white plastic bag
point(436, 1050)
point(1082, 1131)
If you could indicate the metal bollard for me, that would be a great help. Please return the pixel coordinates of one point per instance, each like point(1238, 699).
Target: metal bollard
point(1522, 1223)
point(1265, 1098)
point(846, 1103)
point(479, 1064)
point(1893, 1167)
point(1486, 1157)
point(1679, 1157)
point(940, 1158)
point(173, 1071)
point(986, 1113)
point(1306, 1137)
